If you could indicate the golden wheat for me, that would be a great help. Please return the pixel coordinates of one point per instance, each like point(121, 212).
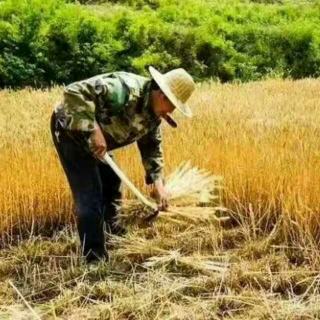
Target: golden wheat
point(263, 138)
point(188, 188)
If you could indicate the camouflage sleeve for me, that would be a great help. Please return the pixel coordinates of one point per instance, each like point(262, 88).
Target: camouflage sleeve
point(82, 98)
point(80, 107)
point(150, 147)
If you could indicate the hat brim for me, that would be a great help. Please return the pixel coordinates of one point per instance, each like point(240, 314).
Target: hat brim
point(160, 80)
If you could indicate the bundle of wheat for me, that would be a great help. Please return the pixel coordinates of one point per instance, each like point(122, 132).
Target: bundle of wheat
point(133, 212)
point(188, 188)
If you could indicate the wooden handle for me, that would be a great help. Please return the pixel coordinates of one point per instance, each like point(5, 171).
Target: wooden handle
point(108, 160)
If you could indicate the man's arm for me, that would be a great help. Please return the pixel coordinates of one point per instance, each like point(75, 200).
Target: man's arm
point(81, 100)
point(79, 104)
point(150, 147)
point(98, 143)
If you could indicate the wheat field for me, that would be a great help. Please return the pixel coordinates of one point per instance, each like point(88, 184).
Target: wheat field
point(263, 138)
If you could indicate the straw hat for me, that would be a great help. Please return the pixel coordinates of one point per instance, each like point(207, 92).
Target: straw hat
point(177, 85)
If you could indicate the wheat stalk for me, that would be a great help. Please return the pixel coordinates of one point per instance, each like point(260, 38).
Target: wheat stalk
point(195, 262)
point(187, 187)
point(191, 186)
point(155, 255)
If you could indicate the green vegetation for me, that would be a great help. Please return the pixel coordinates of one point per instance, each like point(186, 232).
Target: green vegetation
point(60, 41)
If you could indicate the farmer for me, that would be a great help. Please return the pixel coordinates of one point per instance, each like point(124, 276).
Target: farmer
point(104, 113)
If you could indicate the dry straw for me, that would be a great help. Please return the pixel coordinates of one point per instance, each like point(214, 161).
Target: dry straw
point(194, 262)
point(154, 255)
point(194, 196)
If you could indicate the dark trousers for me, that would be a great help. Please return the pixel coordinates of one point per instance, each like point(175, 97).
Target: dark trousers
point(95, 188)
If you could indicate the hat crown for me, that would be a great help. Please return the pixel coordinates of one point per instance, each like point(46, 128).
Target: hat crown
point(180, 83)
point(177, 85)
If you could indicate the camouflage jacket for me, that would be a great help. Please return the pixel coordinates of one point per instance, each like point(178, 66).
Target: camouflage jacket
point(118, 103)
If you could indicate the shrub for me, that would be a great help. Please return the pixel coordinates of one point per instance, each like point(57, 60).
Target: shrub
point(57, 41)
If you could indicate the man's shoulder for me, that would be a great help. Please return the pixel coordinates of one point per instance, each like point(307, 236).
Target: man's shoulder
point(131, 80)
point(129, 76)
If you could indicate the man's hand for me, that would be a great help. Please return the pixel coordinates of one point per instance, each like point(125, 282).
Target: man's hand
point(160, 193)
point(98, 143)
